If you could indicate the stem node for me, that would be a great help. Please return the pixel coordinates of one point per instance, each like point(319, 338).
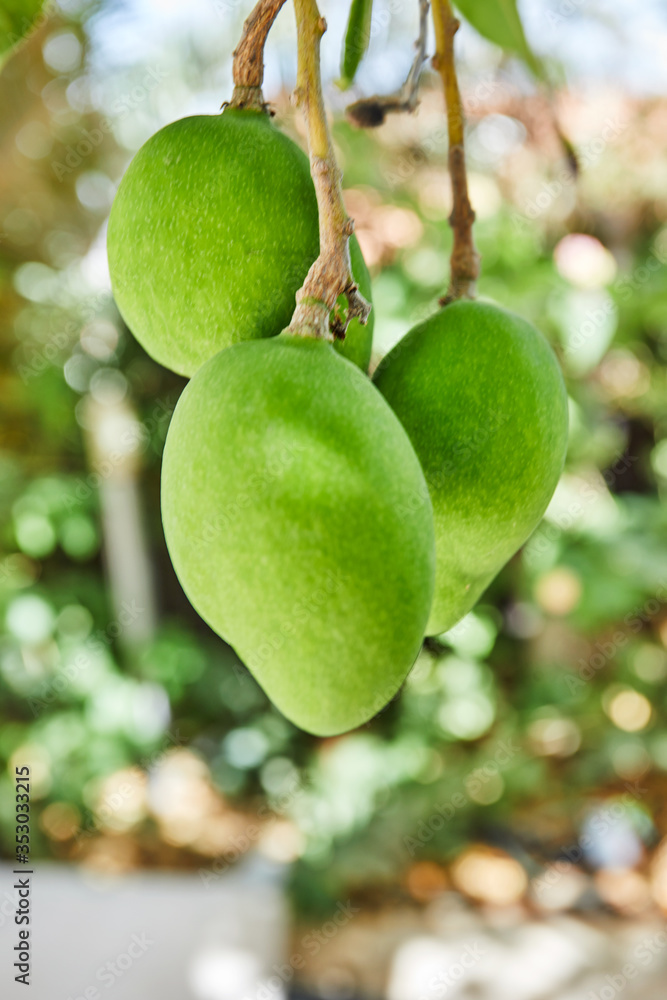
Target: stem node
point(331, 274)
point(248, 64)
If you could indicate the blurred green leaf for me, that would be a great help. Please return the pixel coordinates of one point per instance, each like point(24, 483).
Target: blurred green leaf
point(357, 38)
point(17, 19)
point(499, 22)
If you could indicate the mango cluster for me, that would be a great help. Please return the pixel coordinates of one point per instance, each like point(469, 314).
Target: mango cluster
point(321, 522)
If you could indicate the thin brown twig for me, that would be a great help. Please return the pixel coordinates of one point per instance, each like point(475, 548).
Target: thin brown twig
point(331, 274)
point(464, 270)
point(372, 111)
point(248, 65)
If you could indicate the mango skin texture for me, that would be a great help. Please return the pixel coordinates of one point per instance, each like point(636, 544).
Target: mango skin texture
point(211, 234)
point(482, 397)
point(286, 483)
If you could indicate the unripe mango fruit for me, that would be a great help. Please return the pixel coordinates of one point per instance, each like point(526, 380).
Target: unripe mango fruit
point(480, 393)
point(286, 487)
point(211, 234)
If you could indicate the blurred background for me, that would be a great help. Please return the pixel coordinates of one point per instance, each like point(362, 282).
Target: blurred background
point(500, 830)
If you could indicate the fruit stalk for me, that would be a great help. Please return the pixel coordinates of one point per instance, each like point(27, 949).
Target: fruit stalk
point(464, 269)
point(248, 65)
point(331, 274)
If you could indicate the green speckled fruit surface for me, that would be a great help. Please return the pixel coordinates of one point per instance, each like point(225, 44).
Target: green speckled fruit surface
point(480, 393)
point(286, 499)
point(211, 234)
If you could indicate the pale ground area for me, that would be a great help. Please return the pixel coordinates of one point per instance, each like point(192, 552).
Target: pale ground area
point(172, 937)
point(145, 936)
point(450, 950)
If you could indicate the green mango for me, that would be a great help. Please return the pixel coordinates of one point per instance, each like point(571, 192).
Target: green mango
point(286, 487)
point(211, 234)
point(480, 393)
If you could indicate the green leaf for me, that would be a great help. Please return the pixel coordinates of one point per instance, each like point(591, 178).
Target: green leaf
point(499, 22)
point(357, 38)
point(17, 20)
